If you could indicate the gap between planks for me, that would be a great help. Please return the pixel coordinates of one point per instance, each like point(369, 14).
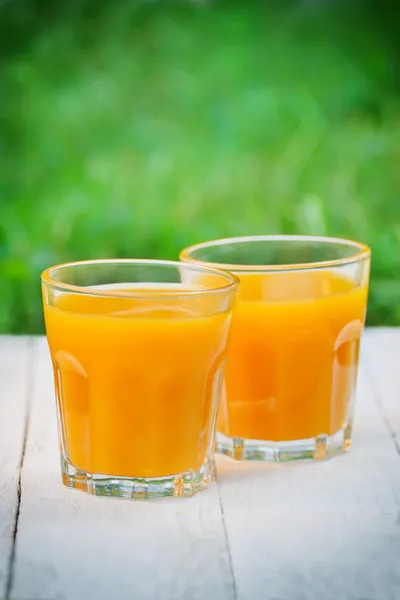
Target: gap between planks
point(30, 374)
point(226, 536)
point(373, 379)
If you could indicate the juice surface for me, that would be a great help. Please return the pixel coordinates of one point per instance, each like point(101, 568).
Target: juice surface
point(137, 381)
point(293, 358)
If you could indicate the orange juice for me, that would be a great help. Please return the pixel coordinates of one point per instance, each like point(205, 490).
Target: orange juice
point(293, 360)
point(137, 380)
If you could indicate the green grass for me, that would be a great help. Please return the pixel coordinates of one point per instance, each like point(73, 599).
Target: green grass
point(148, 127)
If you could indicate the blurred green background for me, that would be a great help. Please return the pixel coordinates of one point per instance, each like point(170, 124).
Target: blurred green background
point(132, 129)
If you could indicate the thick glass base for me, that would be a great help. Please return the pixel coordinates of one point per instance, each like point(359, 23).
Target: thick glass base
point(179, 485)
point(320, 447)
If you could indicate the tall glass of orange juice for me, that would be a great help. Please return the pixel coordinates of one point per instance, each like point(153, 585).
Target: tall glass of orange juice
point(292, 367)
point(138, 349)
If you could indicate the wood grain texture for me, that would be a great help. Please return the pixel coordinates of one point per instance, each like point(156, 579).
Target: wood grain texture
point(315, 530)
point(72, 546)
point(14, 361)
point(382, 354)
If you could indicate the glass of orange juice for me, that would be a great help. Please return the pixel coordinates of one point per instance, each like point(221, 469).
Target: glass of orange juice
point(138, 349)
point(292, 367)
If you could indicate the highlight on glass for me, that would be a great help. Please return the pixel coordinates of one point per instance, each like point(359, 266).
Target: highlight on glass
point(292, 368)
point(138, 349)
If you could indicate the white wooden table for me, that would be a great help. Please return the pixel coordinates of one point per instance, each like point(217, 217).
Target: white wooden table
point(316, 530)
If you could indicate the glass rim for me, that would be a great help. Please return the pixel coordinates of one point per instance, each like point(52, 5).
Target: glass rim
point(232, 281)
point(361, 252)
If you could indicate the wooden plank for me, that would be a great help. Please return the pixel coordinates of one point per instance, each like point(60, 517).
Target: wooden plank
point(383, 359)
point(14, 367)
point(321, 529)
point(71, 545)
